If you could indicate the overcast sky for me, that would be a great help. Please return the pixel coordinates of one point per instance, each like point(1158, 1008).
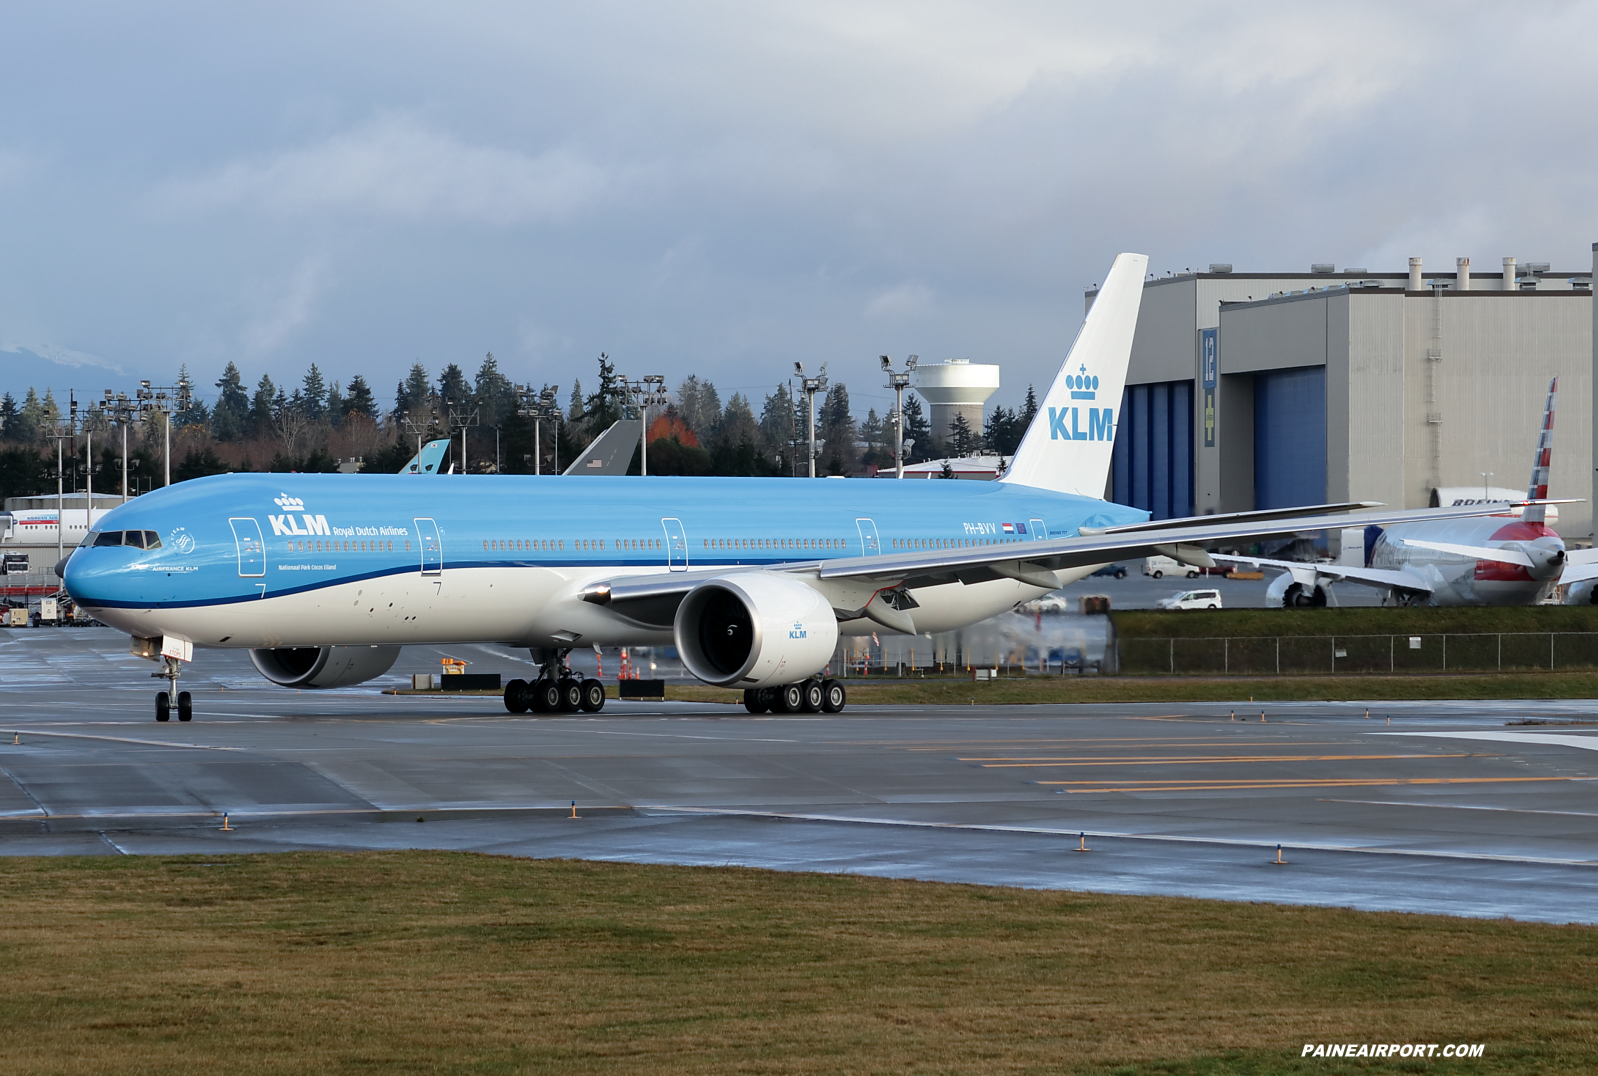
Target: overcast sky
point(724, 188)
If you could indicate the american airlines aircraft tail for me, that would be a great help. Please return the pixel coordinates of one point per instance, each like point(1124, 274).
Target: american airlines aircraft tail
point(323, 578)
point(1488, 560)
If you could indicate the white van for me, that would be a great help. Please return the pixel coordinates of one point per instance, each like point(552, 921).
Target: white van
point(1160, 567)
point(1191, 599)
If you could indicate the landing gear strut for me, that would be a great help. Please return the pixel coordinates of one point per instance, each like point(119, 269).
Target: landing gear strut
point(555, 690)
point(171, 669)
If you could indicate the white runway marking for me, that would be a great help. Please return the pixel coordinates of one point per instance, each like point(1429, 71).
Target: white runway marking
point(1586, 743)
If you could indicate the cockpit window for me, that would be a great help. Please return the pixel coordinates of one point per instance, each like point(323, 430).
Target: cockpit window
point(136, 539)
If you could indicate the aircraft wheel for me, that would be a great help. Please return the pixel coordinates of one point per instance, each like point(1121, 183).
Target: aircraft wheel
point(593, 696)
point(811, 696)
point(516, 696)
point(545, 697)
point(571, 696)
point(163, 706)
point(755, 700)
point(833, 696)
point(185, 706)
point(790, 699)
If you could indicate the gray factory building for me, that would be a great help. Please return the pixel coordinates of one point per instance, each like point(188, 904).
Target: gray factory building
point(1267, 390)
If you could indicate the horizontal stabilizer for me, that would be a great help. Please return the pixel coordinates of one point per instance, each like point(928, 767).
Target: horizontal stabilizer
point(1477, 552)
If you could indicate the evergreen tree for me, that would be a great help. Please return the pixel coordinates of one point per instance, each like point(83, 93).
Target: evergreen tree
point(1029, 409)
point(917, 429)
point(453, 388)
point(29, 420)
point(313, 394)
point(412, 393)
point(8, 416)
point(1002, 430)
point(261, 407)
point(574, 406)
point(52, 412)
point(335, 403)
point(196, 414)
point(700, 405)
point(230, 418)
point(777, 423)
point(24, 472)
point(359, 400)
point(606, 404)
point(496, 396)
point(963, 440)
point(738, 423)
point(838, 427)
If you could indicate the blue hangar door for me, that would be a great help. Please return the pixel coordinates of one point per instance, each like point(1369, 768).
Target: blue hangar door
point(1290, 437)
point(1152, 468)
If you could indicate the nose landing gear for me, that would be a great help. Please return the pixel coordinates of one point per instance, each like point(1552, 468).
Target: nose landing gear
point(166, 701)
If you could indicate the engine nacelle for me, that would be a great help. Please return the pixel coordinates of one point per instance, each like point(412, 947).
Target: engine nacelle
point(755, 629)
point(323, 666)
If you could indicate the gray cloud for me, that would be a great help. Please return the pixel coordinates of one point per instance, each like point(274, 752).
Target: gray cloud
point(723, 188)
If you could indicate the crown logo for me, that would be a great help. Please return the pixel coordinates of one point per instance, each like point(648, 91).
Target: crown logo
point(1082, 386)
point(288, 504)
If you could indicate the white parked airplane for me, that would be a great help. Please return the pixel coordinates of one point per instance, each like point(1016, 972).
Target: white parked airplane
point(1511, 558)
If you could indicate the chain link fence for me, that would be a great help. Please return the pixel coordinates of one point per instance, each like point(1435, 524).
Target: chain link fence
point(1322, 655)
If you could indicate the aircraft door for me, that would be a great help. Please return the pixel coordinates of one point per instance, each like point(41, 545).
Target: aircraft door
point(252, 551)
point(1040, 531)
point(432, 548)
point(676, 545)
point(869, 545)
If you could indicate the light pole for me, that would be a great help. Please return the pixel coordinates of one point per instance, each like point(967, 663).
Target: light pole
point(539, 407)
point(812, 385)
point(1485, 475)
point(466, 419)
point(898, 382)
point(650, 390)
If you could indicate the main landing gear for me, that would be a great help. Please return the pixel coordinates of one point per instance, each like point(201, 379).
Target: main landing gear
point(555, 691)
point(806, 697)
point(166, 701)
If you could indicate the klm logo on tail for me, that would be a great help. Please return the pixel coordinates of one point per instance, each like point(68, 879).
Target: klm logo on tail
point(1065, 423)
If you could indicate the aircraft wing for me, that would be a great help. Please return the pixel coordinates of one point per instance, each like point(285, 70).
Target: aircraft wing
point(1382, 578)
point(1033, 562)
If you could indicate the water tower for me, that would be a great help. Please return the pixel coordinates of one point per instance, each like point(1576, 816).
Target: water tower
point(956, 387)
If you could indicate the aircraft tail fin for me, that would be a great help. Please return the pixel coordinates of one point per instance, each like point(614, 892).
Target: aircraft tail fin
point(427, 461)
point(1538, 490)
point(1069, 444)
point(612, 451)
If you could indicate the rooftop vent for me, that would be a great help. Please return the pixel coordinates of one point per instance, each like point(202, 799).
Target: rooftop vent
point(1220, 267)
point(1349, 270)
point(1536, 267)
point(1323, 267)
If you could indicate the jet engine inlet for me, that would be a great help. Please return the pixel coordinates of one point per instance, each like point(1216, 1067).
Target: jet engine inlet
point(755, 629)
point(323, 666)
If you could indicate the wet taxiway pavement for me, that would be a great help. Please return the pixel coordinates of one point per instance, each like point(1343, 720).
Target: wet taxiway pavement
point(1447, 809)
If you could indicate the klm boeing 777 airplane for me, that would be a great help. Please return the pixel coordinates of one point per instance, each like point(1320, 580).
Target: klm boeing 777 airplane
point(323, 578)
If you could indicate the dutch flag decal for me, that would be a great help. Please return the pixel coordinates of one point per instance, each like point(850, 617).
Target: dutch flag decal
point(1009, 528)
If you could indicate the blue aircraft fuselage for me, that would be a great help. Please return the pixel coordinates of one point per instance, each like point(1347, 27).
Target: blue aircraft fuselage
point(310, 559)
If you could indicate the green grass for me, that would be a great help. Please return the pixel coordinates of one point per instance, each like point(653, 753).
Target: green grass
point(441, 962)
